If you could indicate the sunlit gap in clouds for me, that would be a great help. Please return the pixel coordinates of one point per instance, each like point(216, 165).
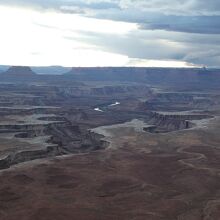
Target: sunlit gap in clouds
point(31, 37)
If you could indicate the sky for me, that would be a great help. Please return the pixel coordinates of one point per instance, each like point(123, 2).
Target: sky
point(171, 33)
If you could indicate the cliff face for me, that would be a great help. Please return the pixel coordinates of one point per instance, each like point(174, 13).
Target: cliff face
point(166, 123)
point(117, 90)
point(179, 101)
point(56, 138)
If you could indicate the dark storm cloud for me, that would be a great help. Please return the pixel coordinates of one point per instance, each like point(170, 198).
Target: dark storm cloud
point(175, 7)
point(190, 24)
point(159, 21)
point(211, 5)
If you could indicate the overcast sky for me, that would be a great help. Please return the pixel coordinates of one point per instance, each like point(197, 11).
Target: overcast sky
point(177, 33)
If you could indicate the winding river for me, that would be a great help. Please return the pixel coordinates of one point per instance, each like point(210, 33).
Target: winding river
point(99, 109)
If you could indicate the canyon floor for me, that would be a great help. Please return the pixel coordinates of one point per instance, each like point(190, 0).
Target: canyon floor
point(107, 150)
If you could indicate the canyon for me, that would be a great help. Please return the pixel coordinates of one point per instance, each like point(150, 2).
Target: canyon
point(110, 143)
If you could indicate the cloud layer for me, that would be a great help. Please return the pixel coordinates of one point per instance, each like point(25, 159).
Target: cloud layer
point(176, 30)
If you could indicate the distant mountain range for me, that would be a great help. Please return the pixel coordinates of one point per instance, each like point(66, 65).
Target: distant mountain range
point(178, 77)
point(172, 77)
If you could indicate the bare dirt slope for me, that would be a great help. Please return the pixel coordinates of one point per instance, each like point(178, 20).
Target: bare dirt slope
point(148, 176)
